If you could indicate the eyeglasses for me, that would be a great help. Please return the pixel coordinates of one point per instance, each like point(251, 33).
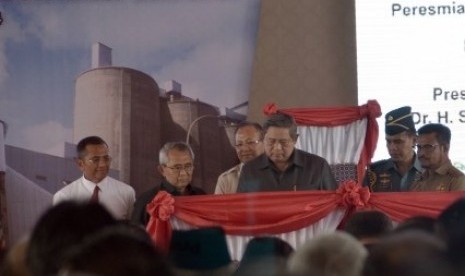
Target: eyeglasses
point(178, 168)
point(96, 159)
point(426, 147)
point(247, 144)
point(283, 142)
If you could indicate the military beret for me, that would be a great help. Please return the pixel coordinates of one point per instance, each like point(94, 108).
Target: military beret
point(399, 120)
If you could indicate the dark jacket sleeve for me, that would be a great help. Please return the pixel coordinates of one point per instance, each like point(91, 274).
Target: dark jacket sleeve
point(250, 179)
point(139, 214)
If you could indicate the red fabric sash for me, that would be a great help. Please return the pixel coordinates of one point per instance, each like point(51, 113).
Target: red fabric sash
point(282, 212)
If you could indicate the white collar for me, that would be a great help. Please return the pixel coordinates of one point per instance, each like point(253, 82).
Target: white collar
point(89, 185)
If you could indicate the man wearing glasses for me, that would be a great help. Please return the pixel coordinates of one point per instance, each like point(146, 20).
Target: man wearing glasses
point(176, 166)
point(433, 147)
point(249, 144)
point(283, 167)
point(397, 173)
point(95, 185)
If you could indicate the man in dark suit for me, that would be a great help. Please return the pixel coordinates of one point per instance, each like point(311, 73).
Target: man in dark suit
point(283, 167)
point(176, 166)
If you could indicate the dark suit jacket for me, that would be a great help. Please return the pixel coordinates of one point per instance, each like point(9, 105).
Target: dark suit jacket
point(306, 172)
point(140, 215)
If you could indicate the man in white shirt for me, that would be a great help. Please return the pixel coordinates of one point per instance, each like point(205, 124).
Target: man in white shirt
point(249, 144)
point(95, 185)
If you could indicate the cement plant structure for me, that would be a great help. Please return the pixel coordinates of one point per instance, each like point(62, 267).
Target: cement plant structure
point(129, 111)
point(127, 108)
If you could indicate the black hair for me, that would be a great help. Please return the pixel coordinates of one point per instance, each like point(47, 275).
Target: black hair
point(255, 125)
point(91, 140)
point(59, 229)
point(443, 134)
point(281, 120)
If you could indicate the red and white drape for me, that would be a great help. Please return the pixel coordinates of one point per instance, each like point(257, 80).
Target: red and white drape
point(348, 135)
point(342, 135)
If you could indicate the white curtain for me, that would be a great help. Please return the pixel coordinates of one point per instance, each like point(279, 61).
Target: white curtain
point(237, 244)
point(338, 144)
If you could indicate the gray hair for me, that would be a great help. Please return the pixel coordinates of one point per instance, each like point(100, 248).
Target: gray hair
point(179, 146)
point(334, 254)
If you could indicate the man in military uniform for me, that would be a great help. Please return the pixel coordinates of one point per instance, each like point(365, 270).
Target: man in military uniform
point(397, 173)
point(433, 153)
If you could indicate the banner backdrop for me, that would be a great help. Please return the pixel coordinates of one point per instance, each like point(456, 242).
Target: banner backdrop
point(136, 73)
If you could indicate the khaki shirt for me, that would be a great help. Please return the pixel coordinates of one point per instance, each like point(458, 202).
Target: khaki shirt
point(445, 178)
point(228, 181)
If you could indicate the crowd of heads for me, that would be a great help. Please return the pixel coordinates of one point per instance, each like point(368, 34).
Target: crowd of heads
point(74, 238)
point(84, 239)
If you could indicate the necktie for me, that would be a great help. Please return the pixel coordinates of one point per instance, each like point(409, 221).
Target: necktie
point(94, 197)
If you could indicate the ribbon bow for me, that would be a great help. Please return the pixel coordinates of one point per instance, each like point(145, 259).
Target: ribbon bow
point(270, 109)
point(373, 108)
point(161, 206)
point(160, 209)
point(353, 195)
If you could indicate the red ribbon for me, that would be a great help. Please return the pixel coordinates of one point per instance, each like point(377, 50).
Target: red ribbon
point(373, 108)
point(353, 195)
point(160, 210)
point(161, 206)
point(270, 109)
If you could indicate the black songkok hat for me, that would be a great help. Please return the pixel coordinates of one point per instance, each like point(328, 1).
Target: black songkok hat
point(399, 120)
point(199, 249)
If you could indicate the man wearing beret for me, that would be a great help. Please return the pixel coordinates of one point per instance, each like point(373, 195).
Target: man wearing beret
point(397, 173)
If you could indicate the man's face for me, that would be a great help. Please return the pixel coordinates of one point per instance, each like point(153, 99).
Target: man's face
point(431, 154)
point(178, 171)
point(400, 146)
point(95, 164)
point(248, 143)
point(278, 144)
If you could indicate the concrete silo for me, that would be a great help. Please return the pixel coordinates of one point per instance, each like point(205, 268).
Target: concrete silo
point(122, 106)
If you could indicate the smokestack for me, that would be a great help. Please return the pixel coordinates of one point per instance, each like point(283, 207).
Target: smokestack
point(101, 55)
point(2, 146)
point(173, 86)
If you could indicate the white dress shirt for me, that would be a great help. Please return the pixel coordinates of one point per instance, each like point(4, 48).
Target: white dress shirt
point(116, 196)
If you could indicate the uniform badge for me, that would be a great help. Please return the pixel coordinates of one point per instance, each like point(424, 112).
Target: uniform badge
point(385, 181)
point(371, 179)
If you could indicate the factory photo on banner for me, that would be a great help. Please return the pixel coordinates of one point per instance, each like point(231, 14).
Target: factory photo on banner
point(136, 73)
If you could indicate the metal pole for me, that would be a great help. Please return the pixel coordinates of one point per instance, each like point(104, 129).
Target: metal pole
point(195, 121)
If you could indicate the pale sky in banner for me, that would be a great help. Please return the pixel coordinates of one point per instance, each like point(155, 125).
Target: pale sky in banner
point(206, 45)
